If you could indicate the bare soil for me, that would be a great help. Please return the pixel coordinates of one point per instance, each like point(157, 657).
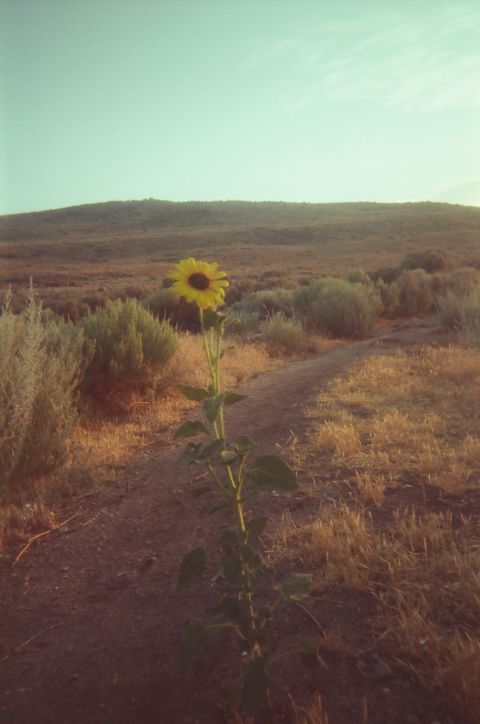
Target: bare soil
point(90, 622)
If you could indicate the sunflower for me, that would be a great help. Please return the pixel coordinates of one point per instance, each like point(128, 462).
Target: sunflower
point(199, 282)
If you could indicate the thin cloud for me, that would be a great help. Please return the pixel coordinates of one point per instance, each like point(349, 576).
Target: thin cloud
point(426, 66)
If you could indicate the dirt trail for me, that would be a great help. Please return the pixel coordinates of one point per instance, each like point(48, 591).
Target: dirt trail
point(90, 621)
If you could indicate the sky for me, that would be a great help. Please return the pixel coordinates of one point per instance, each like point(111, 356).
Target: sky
point(225, 99)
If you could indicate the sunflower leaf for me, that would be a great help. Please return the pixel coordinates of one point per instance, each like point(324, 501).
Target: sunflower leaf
point(213, 449)
point(193, 393)
point(190, 429)
point(271, 472)
point(195, 638)
point(212, 407)
point(256, 526)
point(212, 320)
point(243, 444)
point(193, 642)
point(192, 568)
point(192, 452)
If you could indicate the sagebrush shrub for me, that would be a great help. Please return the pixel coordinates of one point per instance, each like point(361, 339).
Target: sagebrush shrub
point(243, 323)
point(358, 276)
point(389, 296)
point(450, 307)
point(338, 307)
point(131, 348)
point(239, 288)
point(470, 316)
point(461, 311)
point(303, 298)
point(284, 335)
point(388, 274)
point(415, 292)
point(40, 369)
point(165, 304)
point(463, 279)
point(266, 302)
point(431, 260)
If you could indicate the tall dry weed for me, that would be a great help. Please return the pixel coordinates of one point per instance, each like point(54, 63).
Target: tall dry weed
point(40, 370)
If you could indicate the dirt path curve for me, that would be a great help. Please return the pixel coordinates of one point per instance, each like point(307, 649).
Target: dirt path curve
point(89, 619)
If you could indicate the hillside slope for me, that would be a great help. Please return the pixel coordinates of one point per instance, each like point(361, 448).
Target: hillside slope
point(117, 243)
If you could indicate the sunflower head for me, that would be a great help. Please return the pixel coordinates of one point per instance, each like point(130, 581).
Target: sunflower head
point(199, 282)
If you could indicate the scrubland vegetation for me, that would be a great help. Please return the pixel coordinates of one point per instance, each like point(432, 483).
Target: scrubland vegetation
point(88, 375)
point(76, 400)
point(82, 256)
point(60, 375)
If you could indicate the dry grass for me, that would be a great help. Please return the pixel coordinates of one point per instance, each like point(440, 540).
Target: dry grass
point(404, 418)
point(425, 574)
point(109, 445)
point(242, 361)
point(391, 418)
point(313, 714)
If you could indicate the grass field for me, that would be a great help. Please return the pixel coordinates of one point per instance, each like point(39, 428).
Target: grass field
point(395, 450)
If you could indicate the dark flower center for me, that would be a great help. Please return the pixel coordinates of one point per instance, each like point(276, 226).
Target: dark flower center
point(199, 281)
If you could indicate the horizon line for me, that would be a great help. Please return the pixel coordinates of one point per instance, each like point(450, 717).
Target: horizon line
point(235, 201)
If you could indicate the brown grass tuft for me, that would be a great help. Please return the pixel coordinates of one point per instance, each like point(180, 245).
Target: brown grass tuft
point(405, 418)
point(424, 572)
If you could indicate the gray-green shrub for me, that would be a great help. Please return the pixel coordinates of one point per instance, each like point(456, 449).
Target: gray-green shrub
point(40, 369)
point(470, 317)
point(431, 260)
point(131, 348)
point(303, 298)
point(165, 304)
point(450, 306)
point(284, 335)
point(358, 276)
point(416, 294)
point(266, 302)
point(242, 323)
point(338, 307)
point(389, 296)
point(461, 311)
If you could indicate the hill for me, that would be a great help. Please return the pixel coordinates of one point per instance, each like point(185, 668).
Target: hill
point(114, 244)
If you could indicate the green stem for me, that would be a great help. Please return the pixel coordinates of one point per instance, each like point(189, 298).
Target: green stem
point(208, 354)
point(217, 378)
point(217, 481)
point(206, 346)
point(247, 592)
point(236, 485)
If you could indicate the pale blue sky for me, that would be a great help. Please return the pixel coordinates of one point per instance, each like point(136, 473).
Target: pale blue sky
point(222, 99)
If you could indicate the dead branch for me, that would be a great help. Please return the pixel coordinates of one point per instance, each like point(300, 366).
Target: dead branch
point(41, 535)
point(23, 645)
